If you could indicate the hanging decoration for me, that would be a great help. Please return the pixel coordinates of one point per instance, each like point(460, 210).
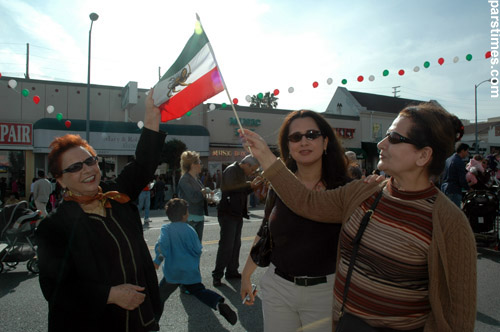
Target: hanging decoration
point(360, 78)
point(385, 73)
point(427, 64)
point(67, 123)
point(140, 124)
point(59, 116)
point(329, 81)
point(401, 72)
point(235, 101)
point(344, 81)
point(290, 89)
point(276, 92)
point(440, 61)
point(315, 85)
point(25, 92)
point(36, 99)
point(50, 109)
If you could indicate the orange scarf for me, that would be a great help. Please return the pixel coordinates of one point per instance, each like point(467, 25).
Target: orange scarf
point(100, 196)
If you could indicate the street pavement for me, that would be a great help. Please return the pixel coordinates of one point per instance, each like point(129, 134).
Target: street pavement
point(23, 308)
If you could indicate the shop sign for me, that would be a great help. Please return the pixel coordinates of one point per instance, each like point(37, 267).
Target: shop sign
point(16, 133)
point(227, 153)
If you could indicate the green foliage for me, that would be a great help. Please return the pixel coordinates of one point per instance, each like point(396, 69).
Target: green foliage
point(267, 100)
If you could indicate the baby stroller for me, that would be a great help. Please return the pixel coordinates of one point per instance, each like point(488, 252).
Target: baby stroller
point(17, 227)
point(481, 208)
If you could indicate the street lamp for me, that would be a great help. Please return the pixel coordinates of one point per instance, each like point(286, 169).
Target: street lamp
point(475, 110)
point(93, 17)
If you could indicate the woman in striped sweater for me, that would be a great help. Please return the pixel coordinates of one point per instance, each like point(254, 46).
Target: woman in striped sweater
point(416, 265)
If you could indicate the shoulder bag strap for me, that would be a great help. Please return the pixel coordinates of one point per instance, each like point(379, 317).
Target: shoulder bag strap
point(355, 242)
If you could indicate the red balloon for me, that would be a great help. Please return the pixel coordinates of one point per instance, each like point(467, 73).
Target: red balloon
point(401, 72)
point(235, 101)
point(488, 55)
point(276, 92)
point(67, 123)
point(360, 78)
point(36, 99)
point(0, 74)
point(315, 84)
point(441, 61)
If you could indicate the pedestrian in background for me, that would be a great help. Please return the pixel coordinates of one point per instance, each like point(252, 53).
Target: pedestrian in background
point(231, 210)
point(42, 189)
point(180, 249)
point(454, 176)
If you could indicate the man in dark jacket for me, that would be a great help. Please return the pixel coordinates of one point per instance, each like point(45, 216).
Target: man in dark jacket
point(454, 175)
point(231, 210)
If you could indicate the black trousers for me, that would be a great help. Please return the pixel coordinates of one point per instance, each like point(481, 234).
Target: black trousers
point(228, 253)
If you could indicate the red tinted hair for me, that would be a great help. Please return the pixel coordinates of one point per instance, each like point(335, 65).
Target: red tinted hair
point(62, 144)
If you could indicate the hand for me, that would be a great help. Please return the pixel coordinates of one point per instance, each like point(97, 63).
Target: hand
point(374, 178)
point(258, 147)
point(256, 182)
point(246, 288)
point(126, 296)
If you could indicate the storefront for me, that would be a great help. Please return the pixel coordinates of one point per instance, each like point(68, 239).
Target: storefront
point(16, 145)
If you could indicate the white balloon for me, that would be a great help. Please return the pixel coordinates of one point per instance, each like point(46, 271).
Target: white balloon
point(50, 109)
point(329, 81)
point(455, 59)
point(248, 98)
point(290, 89)
point(371, 78)
point(140, 124)
point(12, 84)
point(211, 107)
point(416, 69)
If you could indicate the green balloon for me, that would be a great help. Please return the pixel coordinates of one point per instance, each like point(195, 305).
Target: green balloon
point(427, 64)
point(59, 116)
point(344, 81)
point(385, 72)
point(224, 105)
point(188, 113)
point(468, 57)
point(260, 95)
point(25, 92)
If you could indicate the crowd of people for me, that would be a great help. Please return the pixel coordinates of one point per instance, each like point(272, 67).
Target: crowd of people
point(395, 251)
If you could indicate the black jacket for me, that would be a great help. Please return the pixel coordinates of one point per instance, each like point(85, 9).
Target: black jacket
point(235, 190)
point(74, 271)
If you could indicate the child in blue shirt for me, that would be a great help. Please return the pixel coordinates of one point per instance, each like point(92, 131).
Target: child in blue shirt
point(180, 247)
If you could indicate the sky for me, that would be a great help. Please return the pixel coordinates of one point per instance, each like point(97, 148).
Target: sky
point(263, 45)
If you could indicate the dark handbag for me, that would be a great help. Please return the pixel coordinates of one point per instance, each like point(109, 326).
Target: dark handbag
point(347, 321)
point(261, 251)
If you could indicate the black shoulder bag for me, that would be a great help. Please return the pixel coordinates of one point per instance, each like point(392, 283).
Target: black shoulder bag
point(261, 251)
point(347, 321)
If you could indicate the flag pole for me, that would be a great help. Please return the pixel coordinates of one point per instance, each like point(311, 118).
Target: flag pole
point(223, 82)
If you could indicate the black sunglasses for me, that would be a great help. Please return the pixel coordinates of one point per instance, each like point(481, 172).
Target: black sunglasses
point(395, 138)
point(310, 135)
point(90, 161)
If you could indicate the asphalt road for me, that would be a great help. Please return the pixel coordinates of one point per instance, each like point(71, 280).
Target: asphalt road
point(23, 308)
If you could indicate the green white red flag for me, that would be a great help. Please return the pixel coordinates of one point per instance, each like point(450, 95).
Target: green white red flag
point(193, 78)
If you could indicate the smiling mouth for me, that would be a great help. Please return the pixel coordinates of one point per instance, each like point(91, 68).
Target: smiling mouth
point(89, 179)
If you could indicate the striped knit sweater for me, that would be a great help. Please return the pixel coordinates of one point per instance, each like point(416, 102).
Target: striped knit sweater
point(450, 259)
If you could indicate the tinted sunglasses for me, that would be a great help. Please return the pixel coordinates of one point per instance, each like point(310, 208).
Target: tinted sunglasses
point(90, 161)
point(310, 135)
point(395, 138)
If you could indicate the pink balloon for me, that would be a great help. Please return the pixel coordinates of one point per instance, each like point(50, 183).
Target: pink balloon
point(67, 123)
point(36, 99)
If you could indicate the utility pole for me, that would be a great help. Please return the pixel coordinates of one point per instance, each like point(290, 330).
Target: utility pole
point(395, 91)
point(27, 75)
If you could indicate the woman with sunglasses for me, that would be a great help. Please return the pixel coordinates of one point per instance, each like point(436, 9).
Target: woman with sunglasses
point(296, 288)
point(416, 265)
point(96, 271)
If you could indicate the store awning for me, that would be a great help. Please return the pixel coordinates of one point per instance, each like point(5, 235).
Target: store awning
point(115, 138)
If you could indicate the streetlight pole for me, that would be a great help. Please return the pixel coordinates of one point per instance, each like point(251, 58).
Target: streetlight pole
point(93, 17)
point(475, 111)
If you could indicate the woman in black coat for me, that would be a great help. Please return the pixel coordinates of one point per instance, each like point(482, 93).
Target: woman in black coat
point(96, 271)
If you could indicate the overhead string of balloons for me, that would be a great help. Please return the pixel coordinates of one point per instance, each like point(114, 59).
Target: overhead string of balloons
point(360, 78)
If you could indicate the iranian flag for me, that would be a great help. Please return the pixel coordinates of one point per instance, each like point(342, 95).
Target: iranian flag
point(193, 78)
